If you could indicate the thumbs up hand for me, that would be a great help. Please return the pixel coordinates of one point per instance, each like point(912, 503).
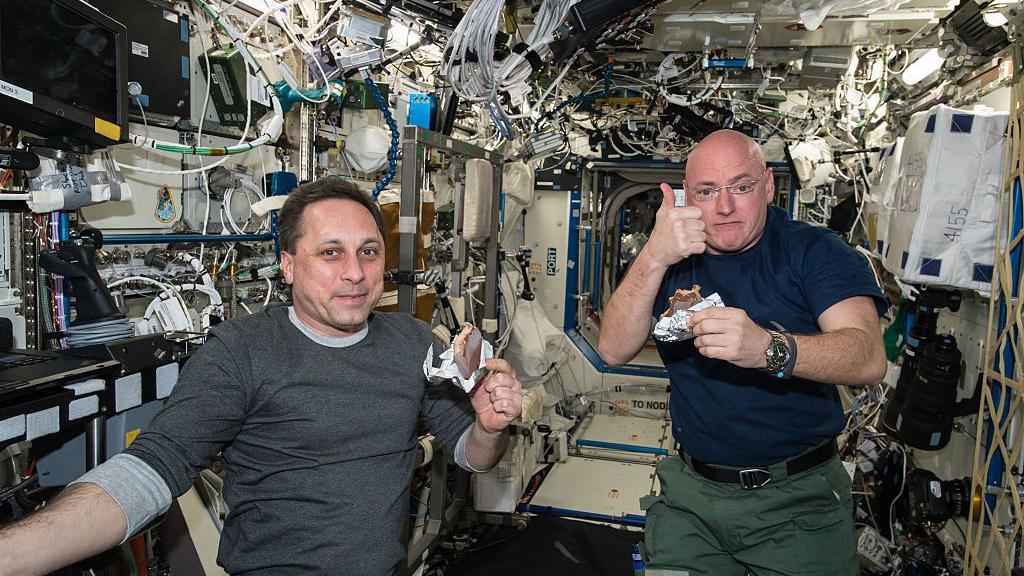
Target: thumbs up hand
point(678, 231)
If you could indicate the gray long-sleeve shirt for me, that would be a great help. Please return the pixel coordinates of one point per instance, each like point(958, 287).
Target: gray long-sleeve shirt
point(318, 441)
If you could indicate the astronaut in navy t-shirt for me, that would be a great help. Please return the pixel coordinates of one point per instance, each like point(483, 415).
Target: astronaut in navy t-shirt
point(754, 403)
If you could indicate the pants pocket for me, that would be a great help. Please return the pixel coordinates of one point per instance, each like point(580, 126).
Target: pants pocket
point(655, 539)
point(826, 544)
point(677, 542)
point(811, 521)
point(666, 535)
point(824, 534)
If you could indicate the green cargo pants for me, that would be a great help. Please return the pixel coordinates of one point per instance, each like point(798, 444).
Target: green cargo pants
point(800, 525)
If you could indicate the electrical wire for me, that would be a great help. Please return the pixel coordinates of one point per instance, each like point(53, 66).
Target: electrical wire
point(250, 190)
point(204, 182)
point(470, 68)
point(903, 484)
point(169, 289)
point(270, 291)
point(8, 493)
point(576, 100)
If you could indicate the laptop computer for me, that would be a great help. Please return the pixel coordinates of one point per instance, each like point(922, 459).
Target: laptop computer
point(27, 370)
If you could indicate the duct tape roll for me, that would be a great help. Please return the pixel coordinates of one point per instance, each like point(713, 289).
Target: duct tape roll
point(407, 224)
point(442, 333)
point(428, 449)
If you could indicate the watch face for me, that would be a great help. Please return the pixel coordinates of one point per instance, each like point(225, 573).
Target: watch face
point(777, 355)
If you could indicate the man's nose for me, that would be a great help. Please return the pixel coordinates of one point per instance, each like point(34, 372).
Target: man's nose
point(725, 203)
point(352, 269)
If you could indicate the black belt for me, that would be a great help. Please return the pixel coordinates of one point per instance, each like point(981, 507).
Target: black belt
point(752, 478)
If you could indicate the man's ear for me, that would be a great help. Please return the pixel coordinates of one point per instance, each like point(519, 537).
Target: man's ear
point(769, 186)
point(287, 266)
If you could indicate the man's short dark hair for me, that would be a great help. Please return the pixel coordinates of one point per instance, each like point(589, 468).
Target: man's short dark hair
point(289, 220)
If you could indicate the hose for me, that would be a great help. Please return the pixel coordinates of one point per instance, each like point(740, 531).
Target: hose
point(393, 150)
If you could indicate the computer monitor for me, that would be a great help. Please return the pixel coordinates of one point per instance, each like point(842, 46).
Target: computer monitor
point(61, 67)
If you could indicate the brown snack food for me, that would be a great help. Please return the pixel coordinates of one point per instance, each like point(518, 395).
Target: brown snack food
point(467, 348)
point(682, 299)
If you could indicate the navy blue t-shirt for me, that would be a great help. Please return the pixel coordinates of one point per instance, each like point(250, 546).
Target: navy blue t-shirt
point(732, 416)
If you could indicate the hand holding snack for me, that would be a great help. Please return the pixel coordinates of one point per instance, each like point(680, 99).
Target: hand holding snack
point(497, 399)
point(729, 334)
point(464, 362)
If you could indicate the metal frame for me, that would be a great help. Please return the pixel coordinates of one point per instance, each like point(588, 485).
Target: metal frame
point(415, 140)
point(122, 239)
point(438, 514)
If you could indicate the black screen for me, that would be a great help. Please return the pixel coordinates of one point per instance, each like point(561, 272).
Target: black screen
point(53, 51)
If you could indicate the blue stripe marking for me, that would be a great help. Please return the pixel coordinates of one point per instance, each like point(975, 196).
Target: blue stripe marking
point(727, 62)
point(184, 29)
point(962, 123)
point(572, 276)
point(621, 447)
point(631, 519)
point(881, 246)
point(997, 465)
point(184, 67)
point(930, 126)
point(931, 266)
point(982, 273)
point(587, 244)
point(141, 99)
point(599, 364)
point(903, 261)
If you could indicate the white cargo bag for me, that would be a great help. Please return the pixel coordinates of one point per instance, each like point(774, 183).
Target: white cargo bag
point(950, 174)
point(881, 202)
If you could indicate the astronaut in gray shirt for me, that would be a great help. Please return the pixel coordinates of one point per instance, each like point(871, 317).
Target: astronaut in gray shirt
point(314, 408)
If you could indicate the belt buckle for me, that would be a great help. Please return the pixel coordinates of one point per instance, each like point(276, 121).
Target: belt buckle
point(753, 478)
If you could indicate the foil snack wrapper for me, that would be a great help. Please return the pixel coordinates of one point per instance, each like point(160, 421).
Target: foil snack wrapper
point(464, 370)
point(676, 328)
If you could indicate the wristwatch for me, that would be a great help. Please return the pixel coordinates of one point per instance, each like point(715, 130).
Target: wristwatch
point(777, 355)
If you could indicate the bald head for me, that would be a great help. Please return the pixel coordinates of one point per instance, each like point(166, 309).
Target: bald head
point(730, 144)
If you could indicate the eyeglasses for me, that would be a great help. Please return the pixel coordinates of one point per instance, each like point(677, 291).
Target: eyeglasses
point(740, 188)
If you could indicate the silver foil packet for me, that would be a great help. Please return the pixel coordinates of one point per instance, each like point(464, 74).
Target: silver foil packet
point(676, 328)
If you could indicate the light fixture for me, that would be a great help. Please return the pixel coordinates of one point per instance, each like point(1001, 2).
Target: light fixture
point(925, 64)
point(994, 18)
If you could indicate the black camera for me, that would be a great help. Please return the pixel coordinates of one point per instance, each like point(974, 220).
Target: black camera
point(926, 317)
point(925, 420)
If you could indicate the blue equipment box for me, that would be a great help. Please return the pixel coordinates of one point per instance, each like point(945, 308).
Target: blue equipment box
point(421, 110)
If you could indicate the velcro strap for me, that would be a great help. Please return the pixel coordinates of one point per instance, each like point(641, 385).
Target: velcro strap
point(532, 57)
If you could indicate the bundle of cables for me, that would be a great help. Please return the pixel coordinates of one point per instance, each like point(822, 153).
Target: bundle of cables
point(469, 64)
point(227, 218)
point(667, 76)
point(576, 100)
